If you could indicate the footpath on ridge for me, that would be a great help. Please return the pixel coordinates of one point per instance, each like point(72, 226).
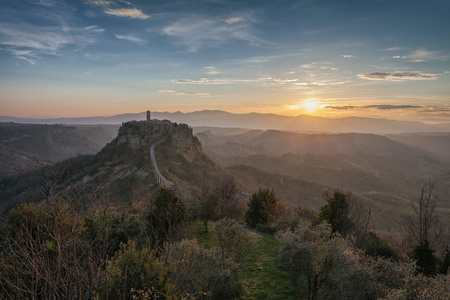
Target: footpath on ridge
point(161, 180)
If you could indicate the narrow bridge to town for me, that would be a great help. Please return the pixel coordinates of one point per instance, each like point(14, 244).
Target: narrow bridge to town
point(161, 180)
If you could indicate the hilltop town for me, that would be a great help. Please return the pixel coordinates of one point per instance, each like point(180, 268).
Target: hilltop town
point(135, 133)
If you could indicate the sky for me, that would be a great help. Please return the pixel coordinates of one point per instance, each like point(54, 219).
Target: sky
point(331, 58)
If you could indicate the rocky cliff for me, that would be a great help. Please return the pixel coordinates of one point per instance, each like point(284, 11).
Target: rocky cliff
point(138, 133)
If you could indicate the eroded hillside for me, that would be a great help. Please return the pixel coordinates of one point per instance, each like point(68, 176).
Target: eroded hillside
point(385, 170)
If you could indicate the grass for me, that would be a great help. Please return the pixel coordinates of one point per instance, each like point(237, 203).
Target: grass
point(263, 275)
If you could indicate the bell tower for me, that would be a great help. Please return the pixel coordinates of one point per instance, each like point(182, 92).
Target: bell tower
point(148, 115)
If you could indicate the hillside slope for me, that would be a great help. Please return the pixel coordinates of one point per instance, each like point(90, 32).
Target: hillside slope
point(23, 146)
point(122, 170)
point(386, 170)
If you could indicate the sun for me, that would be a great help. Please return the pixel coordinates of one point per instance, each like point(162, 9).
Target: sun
point(310, 105)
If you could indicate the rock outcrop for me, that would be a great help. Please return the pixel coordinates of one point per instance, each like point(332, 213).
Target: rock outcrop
point(135, 133)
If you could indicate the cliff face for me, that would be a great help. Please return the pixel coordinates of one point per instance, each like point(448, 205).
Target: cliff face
point(138, 133)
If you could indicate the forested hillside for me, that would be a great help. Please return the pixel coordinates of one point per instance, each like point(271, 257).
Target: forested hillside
point(386, 171)
point(267, 227)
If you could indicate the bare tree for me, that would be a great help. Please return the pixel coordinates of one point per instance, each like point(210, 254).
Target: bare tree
point(422, 224)
point(230, 199)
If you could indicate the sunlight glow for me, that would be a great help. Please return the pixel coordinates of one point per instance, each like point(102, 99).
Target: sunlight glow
point(310, 105)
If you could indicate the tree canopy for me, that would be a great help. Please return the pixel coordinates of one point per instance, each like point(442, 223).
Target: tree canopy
point(262, 207)
point(335, 212)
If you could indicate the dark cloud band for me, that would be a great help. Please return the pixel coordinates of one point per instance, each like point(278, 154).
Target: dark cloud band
point(398, 76)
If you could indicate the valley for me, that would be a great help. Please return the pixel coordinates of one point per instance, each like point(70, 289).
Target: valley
point(384, 170)
point(162, 195)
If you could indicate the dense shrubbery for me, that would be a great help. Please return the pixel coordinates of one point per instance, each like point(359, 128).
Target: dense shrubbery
point(201, 272)
point(330, 267)
point(144, 250)
point(60, 250)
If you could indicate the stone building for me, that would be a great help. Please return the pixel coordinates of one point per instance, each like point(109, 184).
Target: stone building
point(137, 132)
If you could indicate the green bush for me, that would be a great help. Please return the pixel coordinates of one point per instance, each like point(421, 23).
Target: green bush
point(262, 208)
point(200, 272)
point(132, 270)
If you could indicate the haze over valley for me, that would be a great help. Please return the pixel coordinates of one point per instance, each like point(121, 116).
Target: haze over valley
point(203, 150)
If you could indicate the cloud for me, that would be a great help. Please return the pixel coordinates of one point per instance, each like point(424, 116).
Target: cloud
point(436, 108)
point(233, 20)
point(338, 107)
point(214, 81)
point(202, 81)
point(212, 71)
point(285, 80)
point(129, 38)
point(103, 3)
point(47, 3)
point(347, 55)
point(393, 49)
point(320, 66)
point(376, 106)
point(94, 28)
point(422, 55)
point(26, 59)
point(127, 12)
point(389, 107)
point(31, 41)
point(398, 76)
point(176, 93)
point(198, 31)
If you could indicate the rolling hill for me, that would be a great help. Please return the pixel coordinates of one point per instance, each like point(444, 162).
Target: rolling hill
point(120, 171)
point(24, 146)
point(217, 118)
point(387, 170)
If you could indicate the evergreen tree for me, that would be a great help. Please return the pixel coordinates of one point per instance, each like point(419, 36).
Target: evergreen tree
point(262, 207)
point(425, 259)
point(168, 213)
point(335, 212)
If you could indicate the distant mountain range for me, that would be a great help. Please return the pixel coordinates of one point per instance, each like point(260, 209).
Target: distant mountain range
point(217, 118)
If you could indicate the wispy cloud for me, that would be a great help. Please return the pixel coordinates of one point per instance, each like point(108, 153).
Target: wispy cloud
point(127, 12)
point(47, 3)
point(285, 80)
point(31, 41)
point(398, 76)
point(436, 108)
point(393, 49)
point(422, 55)
point(376, 106)
point(199, 31)
point(211, 70)
point(103, 3)
point(119, 8)
point(214, 81)
point(233, 20)
point(94, 28)
point(389, 107)
point(130, 38)
point(26, 59)
point(347, 56)
point(202, 81)
point(177, 93)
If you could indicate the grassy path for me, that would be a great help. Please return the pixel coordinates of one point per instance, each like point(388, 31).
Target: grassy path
point(261, 272)
point(263, 275)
